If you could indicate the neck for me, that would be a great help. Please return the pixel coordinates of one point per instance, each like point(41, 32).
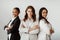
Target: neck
point(14, 16)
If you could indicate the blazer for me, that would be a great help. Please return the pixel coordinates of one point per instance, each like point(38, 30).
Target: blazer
point(14, 31)
point(15, 25)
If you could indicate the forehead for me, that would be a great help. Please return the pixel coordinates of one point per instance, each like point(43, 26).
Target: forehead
point(14, 10)
point(44, 10)
point(29, 9)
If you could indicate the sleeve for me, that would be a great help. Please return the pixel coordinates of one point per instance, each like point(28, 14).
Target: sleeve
point(23, 30)
point(15, 26)
point(51, 28)
point(7, 25)
point(36, 31)
point(44, 27)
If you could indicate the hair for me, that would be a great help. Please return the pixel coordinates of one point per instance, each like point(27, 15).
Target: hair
point(33, 11)
point(40, 14)
point(17, 9)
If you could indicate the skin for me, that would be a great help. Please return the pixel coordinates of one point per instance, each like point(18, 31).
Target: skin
point(29, 12)
point(44, 13)
point(15, 14)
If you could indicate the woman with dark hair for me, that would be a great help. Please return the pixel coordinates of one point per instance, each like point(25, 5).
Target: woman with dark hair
point(13, 25)
point(29, 26)
point(45, 26)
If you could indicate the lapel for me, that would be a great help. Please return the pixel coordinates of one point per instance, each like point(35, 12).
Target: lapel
point(9, 22)
point(14, 20)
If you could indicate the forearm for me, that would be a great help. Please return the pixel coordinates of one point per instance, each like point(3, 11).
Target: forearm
point(36, 31)
point(24, 30)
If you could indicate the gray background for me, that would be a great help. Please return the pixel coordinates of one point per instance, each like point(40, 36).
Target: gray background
point(53, 7)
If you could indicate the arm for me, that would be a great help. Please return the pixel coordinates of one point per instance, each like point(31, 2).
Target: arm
point(6, 26)
point(22, 28)
point(34, 30)
point(51, 30)
point(44, 27)
point(14, 26)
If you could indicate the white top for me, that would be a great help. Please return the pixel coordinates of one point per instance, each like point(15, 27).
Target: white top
point(45, 27)
point(28, 24)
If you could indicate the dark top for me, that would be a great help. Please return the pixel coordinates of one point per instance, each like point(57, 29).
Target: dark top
point(15, 27)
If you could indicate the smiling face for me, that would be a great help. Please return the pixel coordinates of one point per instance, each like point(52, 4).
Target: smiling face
point(15, 13)
point(30, 13)
point(44, 13)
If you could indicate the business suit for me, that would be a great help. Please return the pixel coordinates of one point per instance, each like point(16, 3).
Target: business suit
point(14, 31)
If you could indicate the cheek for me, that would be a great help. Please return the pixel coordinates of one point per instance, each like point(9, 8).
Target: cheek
point(14, 13)
point(28, 13)
point(44, 15)
point(31, 13)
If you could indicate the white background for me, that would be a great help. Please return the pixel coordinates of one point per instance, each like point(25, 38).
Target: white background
point(53, 7)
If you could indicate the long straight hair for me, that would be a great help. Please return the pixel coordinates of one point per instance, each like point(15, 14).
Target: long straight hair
point(40, 14)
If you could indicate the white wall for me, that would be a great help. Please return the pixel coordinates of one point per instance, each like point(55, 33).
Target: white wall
point(53, 7)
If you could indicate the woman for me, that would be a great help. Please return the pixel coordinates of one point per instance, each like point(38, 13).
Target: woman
point(29, 26)
point(45, 26)
point(13, 26)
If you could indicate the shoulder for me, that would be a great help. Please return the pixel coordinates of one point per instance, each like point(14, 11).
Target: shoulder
point(22, 21)
point(17, 18)
point(36, 22)
point(42, 20)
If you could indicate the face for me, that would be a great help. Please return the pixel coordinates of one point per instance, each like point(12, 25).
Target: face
point(44, 13)
point(29, 12)
point(15, 13)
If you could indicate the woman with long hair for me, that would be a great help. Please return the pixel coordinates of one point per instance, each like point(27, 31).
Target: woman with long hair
point(29, 26)
point(45, 27)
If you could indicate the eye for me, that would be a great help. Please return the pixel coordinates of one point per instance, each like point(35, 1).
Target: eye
point(28, 11)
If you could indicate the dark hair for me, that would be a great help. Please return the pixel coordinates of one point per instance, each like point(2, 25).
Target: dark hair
point(40, 14)
point(33, 16)
point(17, 9)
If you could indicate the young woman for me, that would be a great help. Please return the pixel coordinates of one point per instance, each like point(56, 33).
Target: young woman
point(45, 26)
point(29, 26)
point(13, 26)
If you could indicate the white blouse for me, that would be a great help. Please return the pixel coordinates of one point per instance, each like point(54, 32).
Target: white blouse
point(44, 27)
point(28, 24)
point(24, 32)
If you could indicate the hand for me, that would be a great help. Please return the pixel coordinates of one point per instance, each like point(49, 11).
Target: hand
point(35, 27)
point(30, 29)
point(51, 31)
point(23, 26)
point(7, 29)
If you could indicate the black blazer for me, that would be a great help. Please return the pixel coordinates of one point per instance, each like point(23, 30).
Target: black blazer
point(15, 28)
